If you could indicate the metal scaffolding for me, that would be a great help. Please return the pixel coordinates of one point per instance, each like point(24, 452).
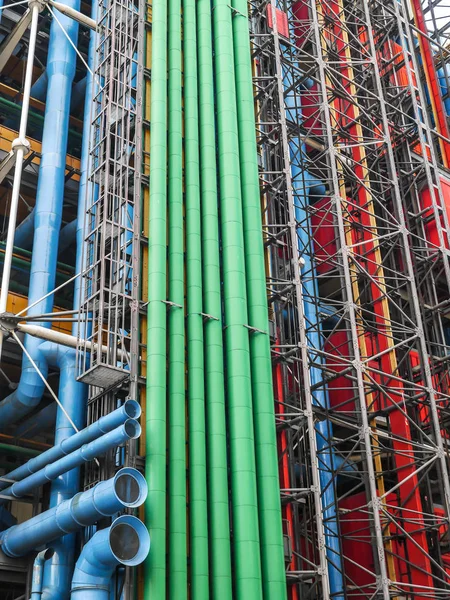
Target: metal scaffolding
point(357, 231)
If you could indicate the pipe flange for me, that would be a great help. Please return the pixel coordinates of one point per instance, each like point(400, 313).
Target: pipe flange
point(8, 322)
point(39, 3)
point(21, 144)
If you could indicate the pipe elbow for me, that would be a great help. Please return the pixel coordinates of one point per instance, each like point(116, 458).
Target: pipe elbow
point(126, 542)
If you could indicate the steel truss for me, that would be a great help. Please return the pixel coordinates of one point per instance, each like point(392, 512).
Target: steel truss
point(375, 245)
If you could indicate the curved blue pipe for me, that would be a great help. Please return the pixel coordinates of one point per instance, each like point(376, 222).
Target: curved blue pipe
point(23, 236)
point(38, 567)
point(126, 542)
point(308, 189)
point(127, 489)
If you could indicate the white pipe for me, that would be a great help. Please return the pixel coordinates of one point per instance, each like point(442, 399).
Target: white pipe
point(74, 14)
point(65, 339)
point(20, 146)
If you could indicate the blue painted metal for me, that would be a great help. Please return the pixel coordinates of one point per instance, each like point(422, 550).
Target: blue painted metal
point(308, 189)
point(58, 571)
point(23, 237)
point(129, 410)
point(115, 438)
point(35, 424)
point(38, 566)
point(39, 87)
point(444, 87)
point(48, 211)
point(126, 542)
point(127, 489)
point(67, 236)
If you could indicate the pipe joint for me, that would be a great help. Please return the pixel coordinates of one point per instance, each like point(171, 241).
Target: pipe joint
point(40, 4)
point(21, 144)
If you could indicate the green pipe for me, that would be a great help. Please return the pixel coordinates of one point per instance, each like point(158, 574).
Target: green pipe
point(12, 449)
point(27, 255)
point(218, 508)
point(270, 519)
point(246, 547)
point(155, 406)
point(198, 504)
point(177, 578)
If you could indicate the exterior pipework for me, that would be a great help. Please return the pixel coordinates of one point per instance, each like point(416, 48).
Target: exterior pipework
point(198, 503)
point(305, 186)
point(246, 546)
point(270, 519)
point(156, 405)
point(58, 570)
point(38, 567)
point(129, 430)
point(129, 410)
point(177, 554)
point(127, 489)
point(48, 211)
point(125, 542)
point(217, 460)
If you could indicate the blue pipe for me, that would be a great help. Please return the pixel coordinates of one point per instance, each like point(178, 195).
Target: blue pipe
point(58, 570)
point(115, 438)
point(129, 410)
point(38, 567)
point(67, 236)
point(127, 489)
point(48, 211)
point(444, 86)
point(126, 542)
point(306, 189)
point(23, 236)
point(39, 87)
point(35, 424)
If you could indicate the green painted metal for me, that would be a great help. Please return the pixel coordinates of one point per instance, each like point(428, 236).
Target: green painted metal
point(177, 578)
point(218, 494)
point(246, 546)
point(12, 449)
point(198, 505)
point(270, 519)
point(155, 439)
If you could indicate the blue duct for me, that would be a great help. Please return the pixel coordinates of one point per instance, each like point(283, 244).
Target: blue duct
point(129, 410)
point(39, 87)
point(38, 566)
point(48, 211)
point(67, 236)
point(58, 571)
point(35, 424)
point(307, 189)
point(126, 542)
point(128, 489)
point(443, 83)
point(23, 237)
point(115, 438)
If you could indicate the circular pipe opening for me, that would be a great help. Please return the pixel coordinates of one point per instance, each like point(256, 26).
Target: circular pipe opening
point(132, 409)
point(130, 487)
point(132, 429)
point(129, 540)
